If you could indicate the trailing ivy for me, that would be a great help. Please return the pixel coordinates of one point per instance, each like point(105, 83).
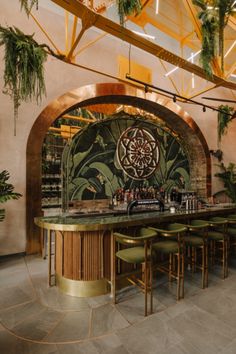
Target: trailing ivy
point(128, 7)
point(209, 20)
point(224, 117)
point(24, 70)
point(214, 18)
point(225, 10)
point(27, 5)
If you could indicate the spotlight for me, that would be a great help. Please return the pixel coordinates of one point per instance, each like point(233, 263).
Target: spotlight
point(204, 109)
point(174, 98)
point(146, 88)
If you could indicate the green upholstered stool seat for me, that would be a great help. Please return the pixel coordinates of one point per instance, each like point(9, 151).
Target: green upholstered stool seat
point(231, 231)
point(166, 246)
point(215, 235)
point(135, 255)
point(194, 240)
point(198, 224)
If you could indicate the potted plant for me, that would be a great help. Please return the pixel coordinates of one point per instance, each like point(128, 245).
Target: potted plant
point(6, 191)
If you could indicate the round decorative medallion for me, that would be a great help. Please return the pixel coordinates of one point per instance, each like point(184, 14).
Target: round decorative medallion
point(137, 153)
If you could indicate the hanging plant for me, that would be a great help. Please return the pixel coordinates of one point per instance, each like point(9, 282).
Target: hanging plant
point(225, 10)
point(24, 71)
point(224, 117)
point(128, 7)
point(27, 5)
point(209, 20)
point(214, 18)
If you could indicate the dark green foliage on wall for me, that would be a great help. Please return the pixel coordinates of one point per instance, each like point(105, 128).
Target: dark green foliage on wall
point(224, 117)
point(6, 191)
point(94, 172)
point(228, 177)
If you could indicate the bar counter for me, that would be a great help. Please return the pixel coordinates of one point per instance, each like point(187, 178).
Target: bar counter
point(84, 244)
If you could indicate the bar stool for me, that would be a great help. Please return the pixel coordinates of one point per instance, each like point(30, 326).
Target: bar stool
point(231, 230)
point(195, 240)
point(172, 243)
point(140, 252)
point(217, 236)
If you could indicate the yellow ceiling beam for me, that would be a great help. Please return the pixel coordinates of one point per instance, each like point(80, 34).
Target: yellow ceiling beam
point(104, 24)
point(143, 19)
point(79, 118)
point(45, 33)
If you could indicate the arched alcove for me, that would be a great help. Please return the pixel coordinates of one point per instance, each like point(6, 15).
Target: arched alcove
point(111, 93)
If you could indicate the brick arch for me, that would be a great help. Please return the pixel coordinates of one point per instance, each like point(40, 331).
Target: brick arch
point(111, 93)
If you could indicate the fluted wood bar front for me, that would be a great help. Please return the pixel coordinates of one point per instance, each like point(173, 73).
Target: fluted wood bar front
point(83, 246)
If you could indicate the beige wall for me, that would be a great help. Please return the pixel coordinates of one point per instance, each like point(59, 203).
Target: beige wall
point(60, 78)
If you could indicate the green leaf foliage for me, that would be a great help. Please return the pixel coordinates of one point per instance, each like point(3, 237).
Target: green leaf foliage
point(23, 72)
point(6, 191)
point(27, 5)
point(228, 177)
point(214, 19)
point(128, 7)
point(224, 117)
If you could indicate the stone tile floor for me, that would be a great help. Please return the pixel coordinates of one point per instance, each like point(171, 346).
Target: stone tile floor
point(41, 320)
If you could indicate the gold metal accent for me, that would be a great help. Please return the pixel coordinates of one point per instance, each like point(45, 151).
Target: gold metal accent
point(80, 288)
point(116, 94)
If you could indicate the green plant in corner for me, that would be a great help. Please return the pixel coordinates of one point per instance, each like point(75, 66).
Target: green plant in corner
point(224, 117)
point(6, 191)
point(228, 177)
point(128, 7)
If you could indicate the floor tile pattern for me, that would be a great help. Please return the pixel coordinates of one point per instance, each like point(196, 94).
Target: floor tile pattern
point(36, 319)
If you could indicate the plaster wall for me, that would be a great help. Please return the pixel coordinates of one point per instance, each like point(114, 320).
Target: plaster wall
point(61, 78)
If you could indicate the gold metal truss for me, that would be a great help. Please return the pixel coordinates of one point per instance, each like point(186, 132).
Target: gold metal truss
point(89, 19)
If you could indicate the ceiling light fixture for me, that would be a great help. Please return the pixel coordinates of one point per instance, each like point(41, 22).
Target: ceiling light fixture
point(157, 7)
point(144, 35)
point(173, 95)
point(229, 50)
point(177, 67)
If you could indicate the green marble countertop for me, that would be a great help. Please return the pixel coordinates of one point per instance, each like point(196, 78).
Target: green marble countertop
point(88, 222)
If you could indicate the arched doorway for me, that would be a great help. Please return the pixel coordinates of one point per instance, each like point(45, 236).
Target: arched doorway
point(110, 93)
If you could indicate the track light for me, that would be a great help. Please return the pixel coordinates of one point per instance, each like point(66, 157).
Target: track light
point(146, 88)
point(204, 109)
point(174, 98)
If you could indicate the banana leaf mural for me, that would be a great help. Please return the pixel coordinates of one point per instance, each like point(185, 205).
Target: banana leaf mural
point(92, 167)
